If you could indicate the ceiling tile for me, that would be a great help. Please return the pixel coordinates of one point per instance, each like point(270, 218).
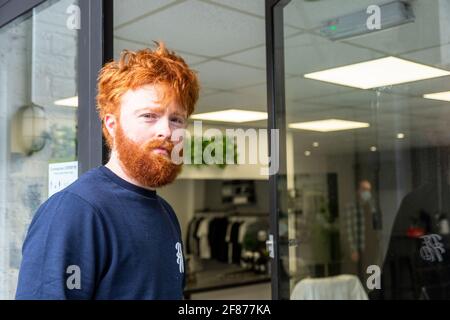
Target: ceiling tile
point(438, 56)
point(301, 88)
point(358, 98)
point(229, 100)
point(419, 88)
point(255, 57)
point(307, 53)
point(254, 6)
point(223, 75)
point(127, 10)
point(257, 92)
point(202, 28)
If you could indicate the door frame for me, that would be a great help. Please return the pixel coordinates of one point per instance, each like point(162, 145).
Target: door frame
point(95, 48)
point(276, 110)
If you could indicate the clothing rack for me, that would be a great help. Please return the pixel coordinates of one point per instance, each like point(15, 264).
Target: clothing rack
point(220, 236)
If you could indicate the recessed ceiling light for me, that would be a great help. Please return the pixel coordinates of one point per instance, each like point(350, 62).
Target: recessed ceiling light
point(307, 153)
point(378, 73)
point(400, 135)
point(68, 102)
point(328, 125)
point(373, 148)
point(444, 96)
point(231, 115)
point(315, 144)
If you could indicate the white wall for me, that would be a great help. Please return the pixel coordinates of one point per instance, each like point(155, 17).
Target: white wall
point(183, 195)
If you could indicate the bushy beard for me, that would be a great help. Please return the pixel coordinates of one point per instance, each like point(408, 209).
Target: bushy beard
point(148, 168)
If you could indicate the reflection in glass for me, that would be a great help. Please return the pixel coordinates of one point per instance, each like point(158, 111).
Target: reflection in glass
point(368, 208)
point(37, 68)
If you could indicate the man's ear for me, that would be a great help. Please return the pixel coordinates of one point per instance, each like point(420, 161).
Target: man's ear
point(110, 124)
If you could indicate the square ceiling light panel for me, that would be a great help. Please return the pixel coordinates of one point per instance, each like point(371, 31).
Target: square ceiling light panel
point(231, 115)
point(378, 73)
point(443, 96)
point(329, 125)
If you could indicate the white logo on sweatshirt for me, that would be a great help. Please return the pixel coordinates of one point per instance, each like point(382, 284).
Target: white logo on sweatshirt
point(180, 257)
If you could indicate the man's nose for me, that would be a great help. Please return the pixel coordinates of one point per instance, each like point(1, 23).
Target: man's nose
point(163, 130)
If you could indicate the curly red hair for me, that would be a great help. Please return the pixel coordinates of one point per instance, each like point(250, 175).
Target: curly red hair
point(142, 67)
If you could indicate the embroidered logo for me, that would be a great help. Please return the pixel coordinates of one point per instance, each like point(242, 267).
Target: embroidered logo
point(432, 248)
point(180, 257)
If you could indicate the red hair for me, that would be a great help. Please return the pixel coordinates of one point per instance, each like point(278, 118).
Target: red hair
point(135, 69)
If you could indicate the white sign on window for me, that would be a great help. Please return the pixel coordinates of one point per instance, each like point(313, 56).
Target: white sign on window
point(60, 175)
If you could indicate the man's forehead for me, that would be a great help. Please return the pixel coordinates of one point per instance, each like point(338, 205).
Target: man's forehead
point(150, 97)
point(147, 94)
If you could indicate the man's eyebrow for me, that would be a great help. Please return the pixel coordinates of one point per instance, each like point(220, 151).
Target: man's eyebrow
point(159, 109)
point(155, 109)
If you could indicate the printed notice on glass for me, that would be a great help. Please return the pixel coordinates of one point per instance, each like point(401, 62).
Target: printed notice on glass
point(60, 175)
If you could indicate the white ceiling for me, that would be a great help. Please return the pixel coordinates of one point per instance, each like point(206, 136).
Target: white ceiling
point(224, 40)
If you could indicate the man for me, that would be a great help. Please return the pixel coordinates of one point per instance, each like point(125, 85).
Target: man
point(109, 235)
point(363, 229)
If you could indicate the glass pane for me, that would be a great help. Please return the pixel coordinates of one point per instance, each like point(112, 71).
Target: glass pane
point(37, 70)
point(224, 41)
point(367, 156)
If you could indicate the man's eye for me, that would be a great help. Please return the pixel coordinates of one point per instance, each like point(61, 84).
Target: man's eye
point(149, 116)
point(178, 121)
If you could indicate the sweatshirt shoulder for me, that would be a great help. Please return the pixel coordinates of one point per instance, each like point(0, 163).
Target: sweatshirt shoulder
point(166, 205)
point(170, 211)
point(90, 187)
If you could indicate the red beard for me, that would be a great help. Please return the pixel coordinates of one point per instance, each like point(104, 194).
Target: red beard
point(148, 168)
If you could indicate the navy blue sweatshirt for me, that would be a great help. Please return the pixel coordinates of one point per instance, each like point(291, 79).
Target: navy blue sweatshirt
point(102, 238)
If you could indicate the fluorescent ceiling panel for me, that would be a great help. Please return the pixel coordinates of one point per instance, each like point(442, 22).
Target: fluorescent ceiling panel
point(328, 125)
point(378, 73)
point(444, 96)
point(231, 115)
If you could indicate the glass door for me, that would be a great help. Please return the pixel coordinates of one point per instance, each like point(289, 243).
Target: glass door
point(363, 191)
point(38, 120)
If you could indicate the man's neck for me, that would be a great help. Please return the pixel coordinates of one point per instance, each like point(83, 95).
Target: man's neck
point(115, 166)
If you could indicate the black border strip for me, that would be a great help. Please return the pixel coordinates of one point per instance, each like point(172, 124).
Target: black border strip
point(11, 10)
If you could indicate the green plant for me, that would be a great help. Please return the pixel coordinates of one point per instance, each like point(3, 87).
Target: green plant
point(227, 146)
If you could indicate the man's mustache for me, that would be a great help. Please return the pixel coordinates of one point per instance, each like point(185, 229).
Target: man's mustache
point(162, 144)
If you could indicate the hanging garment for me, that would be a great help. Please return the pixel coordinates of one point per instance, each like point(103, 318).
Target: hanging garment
point(190, 236)
point(236, 246)
point(217, 234)
point(228, 241)
point(202, 235)
point(195, 238)
point(342, 287)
